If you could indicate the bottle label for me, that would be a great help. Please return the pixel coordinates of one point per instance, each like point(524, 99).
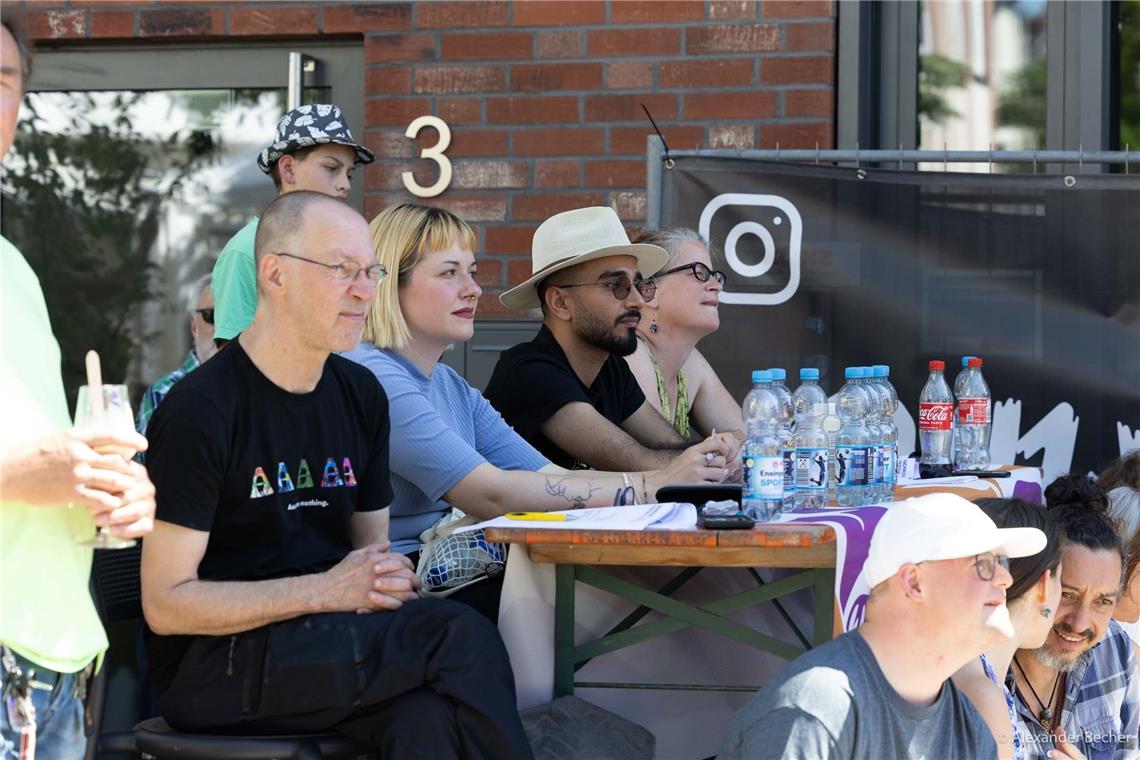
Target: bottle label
point(935, 416)
point(765, 476)
point(891, 465)
point(850, 466)
point(878, 476)
point(973, 411)
point(789, 464)
point(811, 469)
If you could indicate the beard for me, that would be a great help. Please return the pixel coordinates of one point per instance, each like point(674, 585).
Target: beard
point(1059, 662)
point(609, 338)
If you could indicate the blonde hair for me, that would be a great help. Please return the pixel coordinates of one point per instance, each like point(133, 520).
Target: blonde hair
point(401, 235)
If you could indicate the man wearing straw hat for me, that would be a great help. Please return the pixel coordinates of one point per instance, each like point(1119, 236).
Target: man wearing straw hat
point(52, 483)
point(567, 391)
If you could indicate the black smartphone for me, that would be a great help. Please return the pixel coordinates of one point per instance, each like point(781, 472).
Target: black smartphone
point(724, 522)
point(699, 493)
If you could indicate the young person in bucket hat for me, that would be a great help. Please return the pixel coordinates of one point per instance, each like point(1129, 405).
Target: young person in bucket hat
point(312, 149)
point(568, 392)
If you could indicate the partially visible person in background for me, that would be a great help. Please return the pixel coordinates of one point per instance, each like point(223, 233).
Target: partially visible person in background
point(1124, 512)
point(202, 348)
point(1123, 472)
point(677, 380)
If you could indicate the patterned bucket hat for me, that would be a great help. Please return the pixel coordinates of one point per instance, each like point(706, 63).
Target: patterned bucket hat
point(309, 125)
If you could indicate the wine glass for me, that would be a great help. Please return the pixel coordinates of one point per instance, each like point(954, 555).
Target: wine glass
point(112, 415)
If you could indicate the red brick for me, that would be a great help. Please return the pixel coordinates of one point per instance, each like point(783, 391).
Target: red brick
point(386, 175)
point(706, 73)
point(630, 206)
point(580, 141)
point(543, 77)
point(796, 9)
point(477, 47)
point(511, 240)
point(106, 24)
point(389, 143)
point(379, 80)
point(629, 75)
point(746, 104)
point(559, 12)
point(249, 22)
point(478, 142)
point(656, 12)
point(802, 38)
point(732, 9)
point(809, 103)
point(611, 173)
point(796, 135)
point(491, 307)
point(528, 109)
point(397, 112)
point(738, 38)
point(558, 44)
point(628, 107)
point(472, 208)
point(56, 24)
point(182, 22)
point(390, 48)
point(374, 203)
point(461, 15)
point(541, 206)
point(733, 136)
point(521, 268)
point(459, 78)
point(558, 172)
point(626, 140)
point(460, 110)
point(632, 42)
point(490, 273)
point(373, 17)
point(813, 70)
point(488, 175)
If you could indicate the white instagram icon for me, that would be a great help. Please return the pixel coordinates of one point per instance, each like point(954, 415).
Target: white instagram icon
point(787, 213)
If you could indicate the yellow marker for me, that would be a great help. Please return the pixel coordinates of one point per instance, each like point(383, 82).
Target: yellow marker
point(540, 516)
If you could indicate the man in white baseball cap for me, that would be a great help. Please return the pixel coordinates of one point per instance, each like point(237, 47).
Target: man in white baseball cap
point(938, 571)
point(568, 392)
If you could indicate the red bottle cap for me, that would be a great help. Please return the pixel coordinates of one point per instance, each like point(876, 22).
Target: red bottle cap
point(975, 361)
point(938, 365)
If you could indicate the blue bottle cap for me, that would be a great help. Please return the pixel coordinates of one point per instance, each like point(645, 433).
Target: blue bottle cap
point(778, 374)
point(809, 373)
point(756, 376)
point(880, 370)
point(966, 361)
point(853, 373)
point(761, 376)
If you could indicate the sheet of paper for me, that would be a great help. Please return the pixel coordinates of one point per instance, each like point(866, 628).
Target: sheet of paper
point(668, 516)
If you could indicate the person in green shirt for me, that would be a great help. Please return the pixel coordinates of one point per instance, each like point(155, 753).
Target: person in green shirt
point(56, 488)
point(313, 150)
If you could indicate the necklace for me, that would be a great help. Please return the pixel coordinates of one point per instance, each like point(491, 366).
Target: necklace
point(1047, 721)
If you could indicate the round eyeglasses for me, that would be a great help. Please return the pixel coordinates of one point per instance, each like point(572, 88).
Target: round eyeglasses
point(620, 287)
point(699, 270)
point(345, 271)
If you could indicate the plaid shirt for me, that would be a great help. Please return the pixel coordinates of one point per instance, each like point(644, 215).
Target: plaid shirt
point(157, 392)
point(1101, 711)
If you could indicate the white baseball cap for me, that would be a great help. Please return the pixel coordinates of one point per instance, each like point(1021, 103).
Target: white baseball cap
point(941, 526)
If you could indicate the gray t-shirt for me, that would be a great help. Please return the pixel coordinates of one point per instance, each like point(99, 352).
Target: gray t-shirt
point(833, 702)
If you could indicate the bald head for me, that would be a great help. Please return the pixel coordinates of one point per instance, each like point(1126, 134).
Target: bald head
point(283, 221)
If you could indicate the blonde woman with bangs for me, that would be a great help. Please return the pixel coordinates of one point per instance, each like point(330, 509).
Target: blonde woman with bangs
point(450, 448)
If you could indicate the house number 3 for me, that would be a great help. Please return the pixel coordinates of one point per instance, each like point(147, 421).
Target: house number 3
point(434, 153)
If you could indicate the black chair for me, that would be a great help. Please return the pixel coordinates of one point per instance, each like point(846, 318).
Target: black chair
point(117, 593)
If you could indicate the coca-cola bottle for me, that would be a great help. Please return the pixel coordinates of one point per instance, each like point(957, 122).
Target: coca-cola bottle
point(935, 411)
point(974, 418)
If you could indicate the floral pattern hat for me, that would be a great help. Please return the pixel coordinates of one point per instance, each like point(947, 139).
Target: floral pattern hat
point(309, 125)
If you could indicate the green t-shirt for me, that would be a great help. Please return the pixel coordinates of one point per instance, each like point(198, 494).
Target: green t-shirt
point(46, 612)
point(235, 284)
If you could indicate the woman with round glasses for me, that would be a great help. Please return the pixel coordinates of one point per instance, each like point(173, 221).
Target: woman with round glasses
point(1032, 600)
point(676, 379)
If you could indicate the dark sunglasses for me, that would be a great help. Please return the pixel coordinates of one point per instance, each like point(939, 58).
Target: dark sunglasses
point(620, 287)
point(699, 270)
point(206, 314)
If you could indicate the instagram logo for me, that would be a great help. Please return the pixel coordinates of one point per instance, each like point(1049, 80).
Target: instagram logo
point(779, 216)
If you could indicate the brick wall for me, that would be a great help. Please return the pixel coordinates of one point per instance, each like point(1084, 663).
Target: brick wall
point(543, 97)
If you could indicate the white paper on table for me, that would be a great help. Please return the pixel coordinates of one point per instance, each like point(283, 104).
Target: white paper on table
point(668, 516)
point(954, 481)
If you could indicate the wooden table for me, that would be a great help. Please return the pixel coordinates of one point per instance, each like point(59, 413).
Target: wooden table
point(577, 554)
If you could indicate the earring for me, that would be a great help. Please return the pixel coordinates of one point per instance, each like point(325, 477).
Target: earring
point(653, 327)
point(1046, 611)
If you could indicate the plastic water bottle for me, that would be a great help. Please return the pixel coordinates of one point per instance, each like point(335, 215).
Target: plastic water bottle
point(787, 435)
point(876, 401)
point(956, 443)
point(974, 418)
point(831, 425)
point(935, 409)
point(763, 450)
point(812, 453)
point(890, 431)
point(852, 442)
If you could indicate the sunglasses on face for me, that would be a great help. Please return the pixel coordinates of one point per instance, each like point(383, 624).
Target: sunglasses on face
point(698, 270)
point(620, 287)
point(207, 315)
point(986, 564)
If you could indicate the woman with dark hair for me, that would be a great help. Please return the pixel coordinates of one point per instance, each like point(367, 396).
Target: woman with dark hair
point(1032, 600)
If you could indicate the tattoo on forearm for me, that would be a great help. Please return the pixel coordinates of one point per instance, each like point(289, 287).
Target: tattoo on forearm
point(624, 497)
point(560, 487)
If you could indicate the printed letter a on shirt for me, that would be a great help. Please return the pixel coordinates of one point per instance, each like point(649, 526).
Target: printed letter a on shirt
point(261, 485)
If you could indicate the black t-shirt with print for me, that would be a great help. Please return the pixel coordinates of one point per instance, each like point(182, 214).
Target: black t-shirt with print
point(273, 476)
point(533, 380)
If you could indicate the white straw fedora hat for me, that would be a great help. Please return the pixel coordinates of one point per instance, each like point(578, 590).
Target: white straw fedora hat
point(573, 237)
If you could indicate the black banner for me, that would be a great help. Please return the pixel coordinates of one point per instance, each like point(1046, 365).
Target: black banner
point(829, 267)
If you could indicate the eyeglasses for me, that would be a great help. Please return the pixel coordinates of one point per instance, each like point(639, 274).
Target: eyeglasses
point(206, 314)
point(620, 287)
point(986, 564)
point(699, 270)
point(346, 271)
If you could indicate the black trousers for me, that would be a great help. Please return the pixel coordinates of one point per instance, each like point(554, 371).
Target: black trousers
point(431, 679)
